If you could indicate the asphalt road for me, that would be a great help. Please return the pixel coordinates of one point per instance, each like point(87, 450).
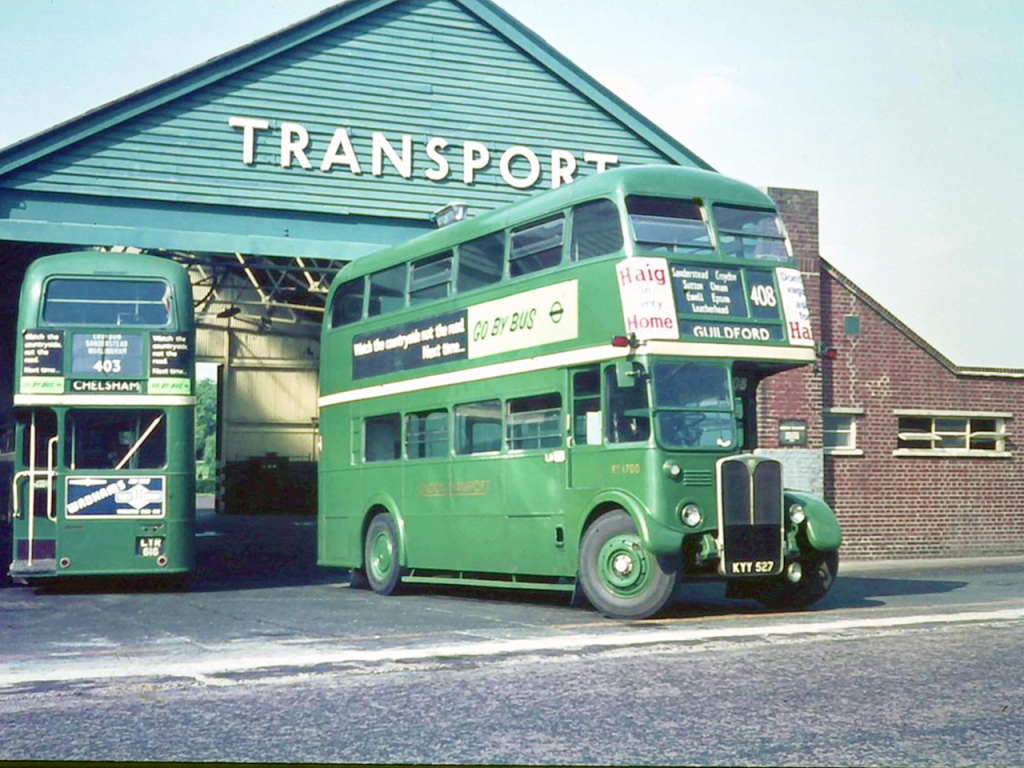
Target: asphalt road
point(269, 659)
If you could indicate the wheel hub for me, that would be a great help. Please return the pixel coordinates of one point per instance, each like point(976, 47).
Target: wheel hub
point(382, 556)
point(623, 566)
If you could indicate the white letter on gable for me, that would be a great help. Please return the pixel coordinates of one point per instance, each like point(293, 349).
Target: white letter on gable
point(506, 167)
point(381, 147)
point(340, 140)
point(563, 166)
point(294, 140)
point(601, 160)
point(249, 126)
point(433, 147)
point(474, 157)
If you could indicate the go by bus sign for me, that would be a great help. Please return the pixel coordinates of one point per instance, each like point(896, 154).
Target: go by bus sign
point(525, 320)
point(713, 303)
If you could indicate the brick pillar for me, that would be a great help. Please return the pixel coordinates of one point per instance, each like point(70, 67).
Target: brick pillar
point(797, 394)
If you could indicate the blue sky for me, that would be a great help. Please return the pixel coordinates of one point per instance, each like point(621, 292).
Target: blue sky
point(907, 117)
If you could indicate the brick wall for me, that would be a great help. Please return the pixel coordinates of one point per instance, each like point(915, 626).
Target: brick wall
point(892, 506)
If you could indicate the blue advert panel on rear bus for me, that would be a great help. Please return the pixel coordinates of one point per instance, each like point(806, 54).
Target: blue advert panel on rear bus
point(115, 497)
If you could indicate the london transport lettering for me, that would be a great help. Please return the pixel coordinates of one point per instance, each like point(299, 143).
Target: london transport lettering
point(660, 301)
point(294, 140)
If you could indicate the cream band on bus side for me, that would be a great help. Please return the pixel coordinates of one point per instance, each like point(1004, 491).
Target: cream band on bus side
point(530, 319)
point(710, 302)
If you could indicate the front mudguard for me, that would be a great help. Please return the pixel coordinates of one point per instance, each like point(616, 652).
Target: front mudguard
point(821, 527)
point(657, 538)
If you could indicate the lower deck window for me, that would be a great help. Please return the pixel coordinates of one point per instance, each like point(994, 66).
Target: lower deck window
point(534, 422)
point(383, 438)
point(115, 439)
point(478, 427)
point(426, 435)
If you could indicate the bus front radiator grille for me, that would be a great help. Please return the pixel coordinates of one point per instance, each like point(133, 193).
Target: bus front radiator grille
point(750, 516)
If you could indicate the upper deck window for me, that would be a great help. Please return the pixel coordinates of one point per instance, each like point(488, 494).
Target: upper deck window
point(431, 278)
point(674, 226)
point(596, 230)
point(347, 306)
point(481, 262)
point(387, 291)
point(81, 301)
point(536, 247)
point(751, 233)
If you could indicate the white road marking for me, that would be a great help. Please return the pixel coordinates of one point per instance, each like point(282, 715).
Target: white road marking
point(237, 659)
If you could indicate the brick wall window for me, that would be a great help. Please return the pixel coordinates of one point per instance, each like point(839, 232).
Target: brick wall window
point(839, 433)
point(951, 433)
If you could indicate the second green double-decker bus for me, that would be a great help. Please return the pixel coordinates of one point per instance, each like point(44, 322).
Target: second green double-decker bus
point(104, 461)
point(562, 394)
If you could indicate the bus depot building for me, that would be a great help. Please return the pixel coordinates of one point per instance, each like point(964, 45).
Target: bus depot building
point(268, 168)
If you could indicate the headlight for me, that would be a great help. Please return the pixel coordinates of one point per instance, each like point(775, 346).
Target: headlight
point(796, 514)
point(691, 515)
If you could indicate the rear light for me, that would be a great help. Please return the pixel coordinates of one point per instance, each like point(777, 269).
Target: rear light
point(620, 341)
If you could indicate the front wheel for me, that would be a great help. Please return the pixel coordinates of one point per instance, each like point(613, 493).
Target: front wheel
point(619, 577)
point(380, 554)
point(819, 574)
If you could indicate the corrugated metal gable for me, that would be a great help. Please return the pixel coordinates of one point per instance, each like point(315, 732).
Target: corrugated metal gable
point(420, 67)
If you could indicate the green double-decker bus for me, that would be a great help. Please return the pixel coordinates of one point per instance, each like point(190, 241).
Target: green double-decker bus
point(562, 394)
point(104, 382)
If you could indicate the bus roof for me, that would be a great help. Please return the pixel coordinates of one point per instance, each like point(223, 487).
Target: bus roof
point(668, 180)
point(103, 264)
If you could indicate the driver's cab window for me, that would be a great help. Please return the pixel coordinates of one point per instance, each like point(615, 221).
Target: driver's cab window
point(629, 419)
point(115, 439)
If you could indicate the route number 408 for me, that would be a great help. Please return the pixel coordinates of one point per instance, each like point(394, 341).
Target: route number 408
point(107, 366)
point(763, 296)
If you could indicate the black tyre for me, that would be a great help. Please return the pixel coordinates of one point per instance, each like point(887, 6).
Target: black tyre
point(380, 555)
point(819, 574)
point(619, 577)
point(358, 580)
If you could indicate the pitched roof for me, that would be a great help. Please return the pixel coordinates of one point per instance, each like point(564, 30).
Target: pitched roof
point(113, 113)
point(959, 370)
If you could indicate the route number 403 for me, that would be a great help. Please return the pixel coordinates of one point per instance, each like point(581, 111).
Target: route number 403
point(763, 296)
point(107, 366)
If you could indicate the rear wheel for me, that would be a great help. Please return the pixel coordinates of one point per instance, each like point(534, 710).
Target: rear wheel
point(619, 577)
point(819, 574)
point(380, 555)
